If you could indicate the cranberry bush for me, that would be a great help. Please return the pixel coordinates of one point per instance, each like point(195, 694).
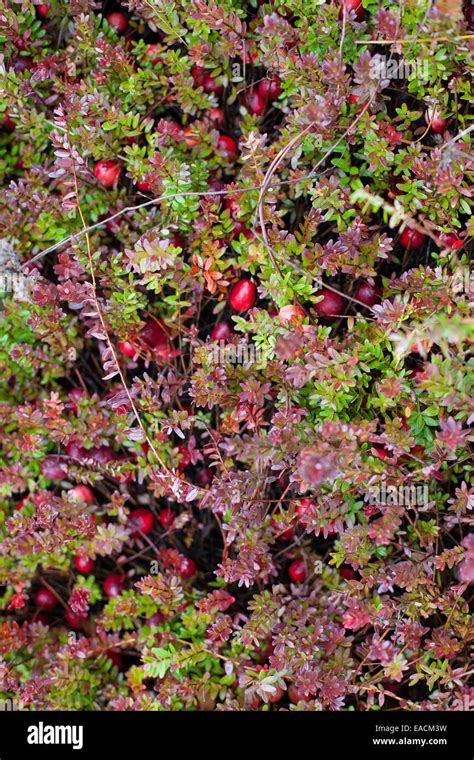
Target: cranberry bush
point(241, 231)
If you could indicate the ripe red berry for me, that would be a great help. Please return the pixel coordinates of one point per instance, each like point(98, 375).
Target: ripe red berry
point(222, 331)
point(76, 452)
point(368, 294)
point(296, 694)
point(43, 9)
point(82, 493)
point(297, 571)
point(291, 314)
point(211, 85)
point(167, 517)
point(113, 585)
point(451, 240)
point(84, 564)
point(45, 599)
point(128, 349)
point(108, 172)
point(243, 295)
point(72, 619)
point(216, 115)
point(227, 147)
point(254, 102)
point(347, 573)
point(118, 22)
point(187, 568)
point(286, 534)
point(144, 186)
point(152, 53)
point(351, 5)
point(435, 121)
point(270, 88)
point(184, 456)
point(54, 468)
point(276, 695)
point(305, 509)
point(153, 334)
point(141, 521)
point(410, 238)
point(332, 304)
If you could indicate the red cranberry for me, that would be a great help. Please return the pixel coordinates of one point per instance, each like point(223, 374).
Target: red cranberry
point(144, 186)
point(451, 240)
point(296, 694)
point(128, 349)
point(368, 294)
point(153, 334)
point(113, 585)
point(118, 22)
point(286, 534)
point(210, 85)
point(184, 456)
point(254, 102)
point(243, 295)
point(227, 147)
point(45, 599)
point(152, 53)
point(43, 9)
point(434, 120)
point(297, 571)
point(351, 5)
point(216, 115)
point(54, 468)
point(332, 304)
point(108, 172)
point(410, 238)
point(290, 314)
point(304, 509)
point(84, 564)
point(347, 573)
point(72, 619)
point(187, 568)
point(141, 521)
point(222, 331)
point(270, 88)
point(167, 517)
point(82, 493)
point(276, 695)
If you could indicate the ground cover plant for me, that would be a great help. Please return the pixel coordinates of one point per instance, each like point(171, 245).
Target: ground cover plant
point(236, 355)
